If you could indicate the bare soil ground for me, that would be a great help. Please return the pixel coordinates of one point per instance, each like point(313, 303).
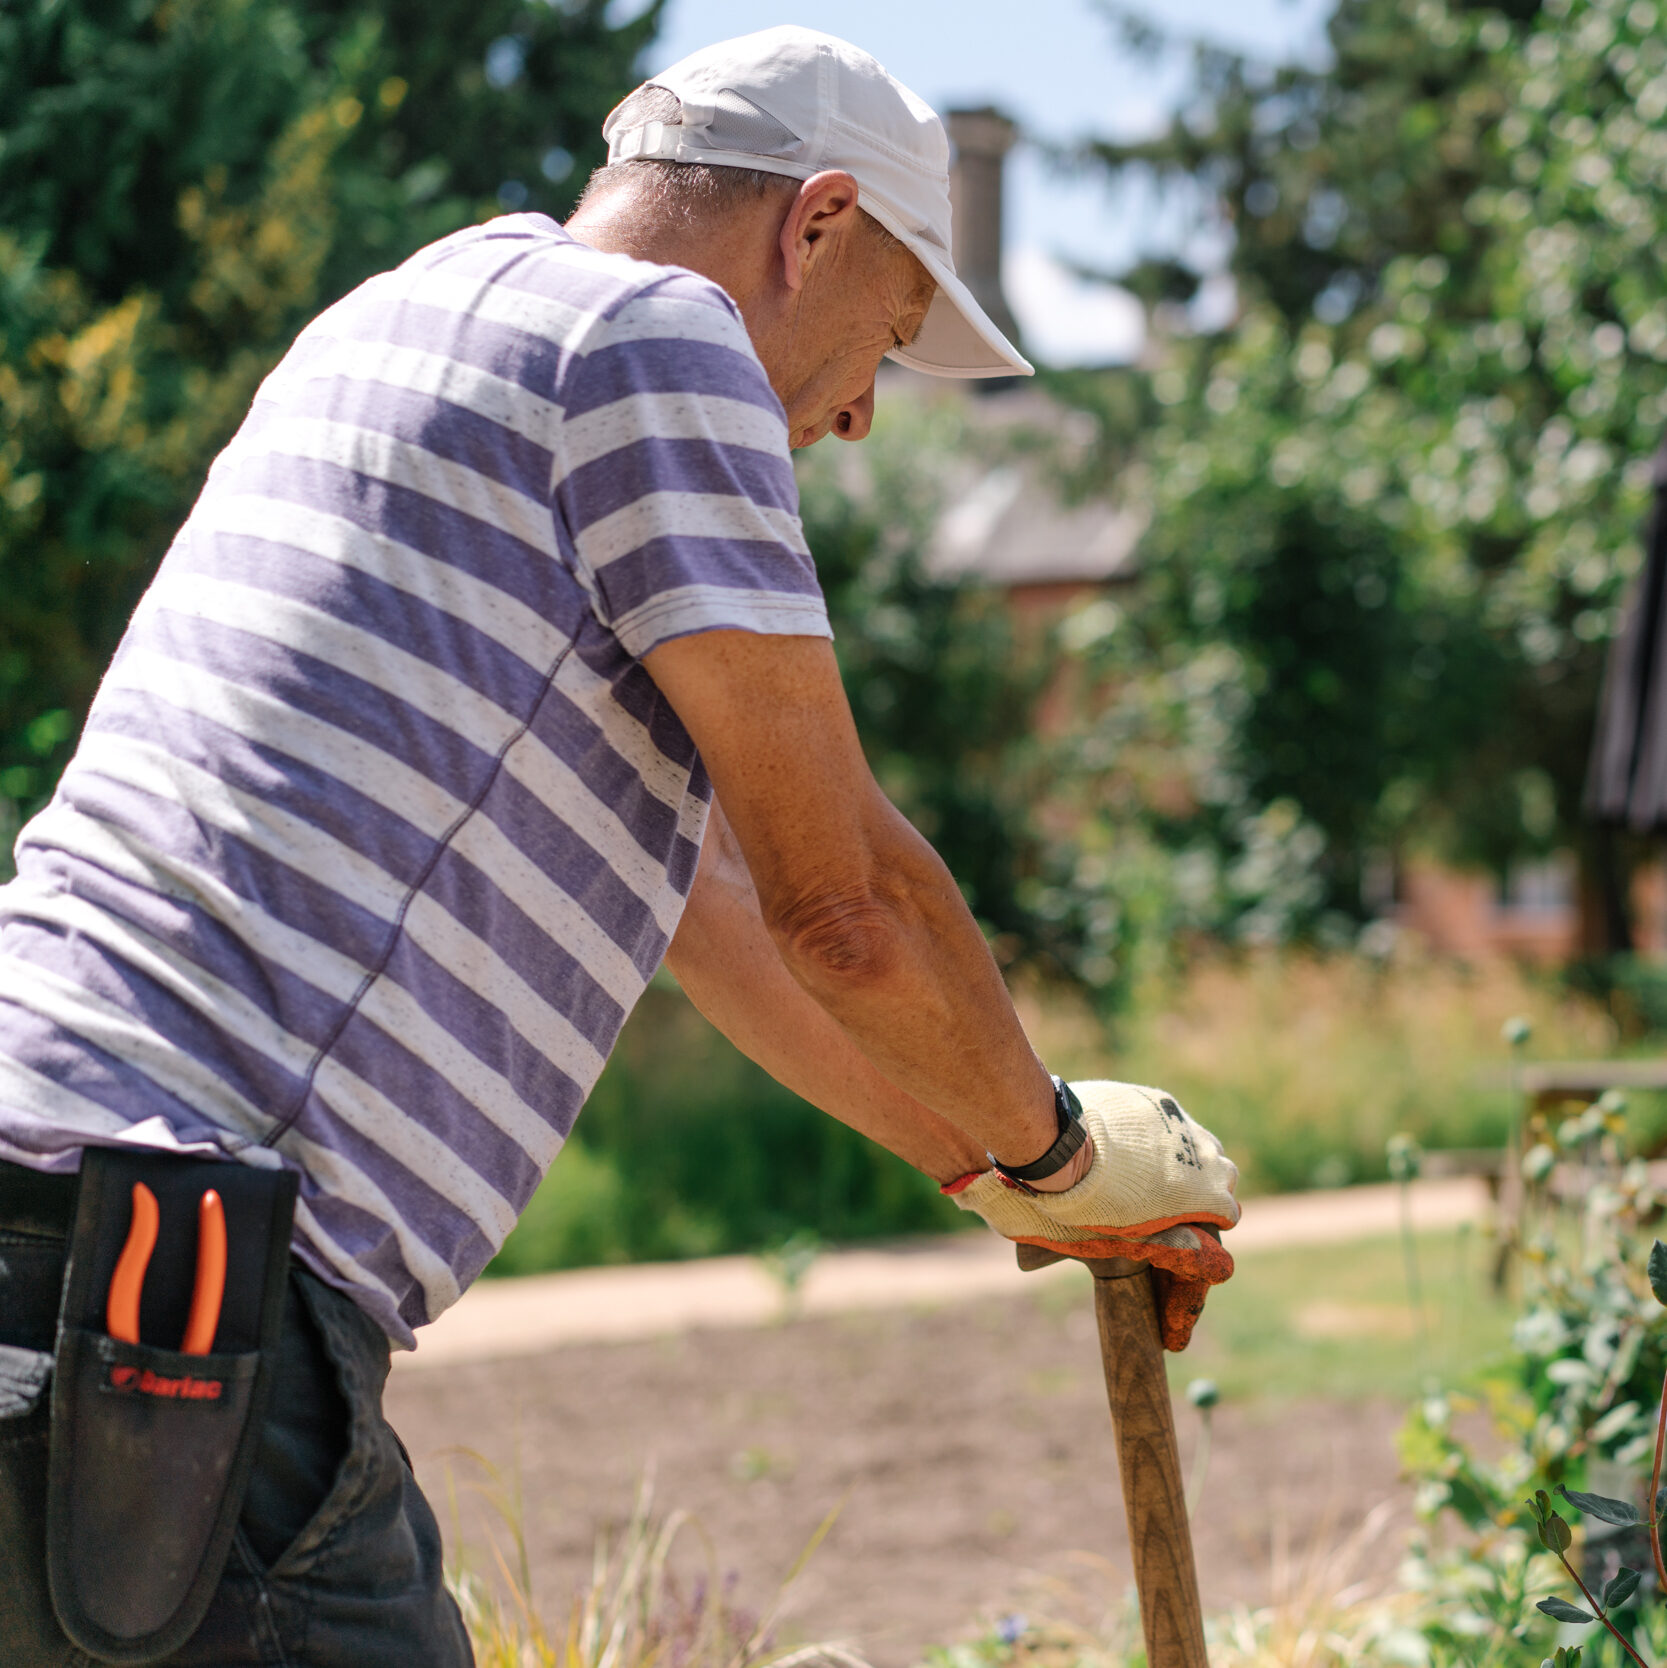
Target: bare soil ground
point(969, 1444)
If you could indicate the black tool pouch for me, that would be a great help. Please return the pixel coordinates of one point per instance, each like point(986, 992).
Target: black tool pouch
point(151, 1450)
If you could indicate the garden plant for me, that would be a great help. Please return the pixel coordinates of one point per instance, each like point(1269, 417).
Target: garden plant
point(1555, 1535)
point(1577, 1410)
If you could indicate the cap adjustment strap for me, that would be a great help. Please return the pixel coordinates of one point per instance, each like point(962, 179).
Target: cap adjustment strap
point(652, 142)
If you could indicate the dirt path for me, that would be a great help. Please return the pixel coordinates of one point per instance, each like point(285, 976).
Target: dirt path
point(969, 1443)
point(500, 1318)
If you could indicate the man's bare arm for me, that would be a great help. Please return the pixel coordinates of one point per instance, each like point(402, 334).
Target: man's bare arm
point(862, 912)
point(728, 967)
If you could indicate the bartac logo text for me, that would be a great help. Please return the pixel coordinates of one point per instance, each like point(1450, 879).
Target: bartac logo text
point(141, 1381)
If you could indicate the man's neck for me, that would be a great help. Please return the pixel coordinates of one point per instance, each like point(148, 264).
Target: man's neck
point(739, 252)
point(734, 252)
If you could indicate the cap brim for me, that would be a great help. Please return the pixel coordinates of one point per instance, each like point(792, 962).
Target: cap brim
point(958, 338)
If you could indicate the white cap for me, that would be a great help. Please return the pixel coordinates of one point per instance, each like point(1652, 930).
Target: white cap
point(794, 101)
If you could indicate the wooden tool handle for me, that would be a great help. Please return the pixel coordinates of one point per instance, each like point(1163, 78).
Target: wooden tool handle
point(1143, 1422)
point(1143, 1419)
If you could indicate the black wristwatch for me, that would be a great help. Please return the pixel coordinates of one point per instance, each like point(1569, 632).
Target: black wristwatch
point(1068, 1109)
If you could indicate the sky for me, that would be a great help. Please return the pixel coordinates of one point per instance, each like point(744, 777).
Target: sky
point(1058, 68)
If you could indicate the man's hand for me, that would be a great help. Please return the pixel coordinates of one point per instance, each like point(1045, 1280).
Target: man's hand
point(1159, 1188)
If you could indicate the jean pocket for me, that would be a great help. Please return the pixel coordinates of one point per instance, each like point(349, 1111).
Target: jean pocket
point(29, 1631)
point(300, 1468)
point(24, 1376)
point(361, 1537)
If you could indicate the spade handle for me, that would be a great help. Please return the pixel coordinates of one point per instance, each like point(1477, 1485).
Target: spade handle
point(1143, 1423)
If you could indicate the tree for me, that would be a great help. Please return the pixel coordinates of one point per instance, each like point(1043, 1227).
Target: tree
point(1405, 486)
point(182, 185)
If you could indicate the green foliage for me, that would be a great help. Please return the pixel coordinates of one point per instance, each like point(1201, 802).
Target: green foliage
point(1554, 1533)
point(182, 184)
point(687, 1149)
point(1620, 1512)
point(115, 118)
point(1658, 1271)
point(1405, 1157)
point(1397, 502)
point(1632, 987)
point(1580, 1397)
point(1618, 1591)
point(1266, 1049)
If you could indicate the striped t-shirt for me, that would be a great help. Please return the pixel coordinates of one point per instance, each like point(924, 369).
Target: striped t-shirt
point(378, 827)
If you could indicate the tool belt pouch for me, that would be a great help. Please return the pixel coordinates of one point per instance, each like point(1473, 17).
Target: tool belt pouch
point(151, 1450)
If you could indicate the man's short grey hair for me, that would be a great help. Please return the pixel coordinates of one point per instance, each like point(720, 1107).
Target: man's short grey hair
point(688, 189)
point(680, 187)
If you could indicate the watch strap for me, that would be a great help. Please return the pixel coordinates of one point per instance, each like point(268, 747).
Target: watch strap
point(1072, 1134)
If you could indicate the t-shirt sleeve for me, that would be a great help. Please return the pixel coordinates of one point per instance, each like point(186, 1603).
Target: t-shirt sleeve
point(675, 482)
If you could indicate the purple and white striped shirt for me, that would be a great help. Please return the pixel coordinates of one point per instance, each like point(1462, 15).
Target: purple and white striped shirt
point(378, 827)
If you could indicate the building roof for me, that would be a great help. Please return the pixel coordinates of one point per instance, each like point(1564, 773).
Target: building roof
point(1009, 522)
point(1011, 528)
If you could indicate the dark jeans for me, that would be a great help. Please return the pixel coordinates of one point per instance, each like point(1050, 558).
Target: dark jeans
point(336, 1562)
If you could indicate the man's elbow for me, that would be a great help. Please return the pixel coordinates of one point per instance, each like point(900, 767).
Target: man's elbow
point(839, 942)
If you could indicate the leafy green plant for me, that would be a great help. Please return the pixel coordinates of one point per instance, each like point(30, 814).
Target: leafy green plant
point(1556, 1536)
point(1204, 1394)
point(787, 1264)
point(1580, 1402)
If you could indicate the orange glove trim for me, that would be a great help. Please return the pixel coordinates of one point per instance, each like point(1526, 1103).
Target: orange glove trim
point(1210, 1264)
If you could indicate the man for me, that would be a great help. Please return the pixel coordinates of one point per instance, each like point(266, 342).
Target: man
point(490, 670)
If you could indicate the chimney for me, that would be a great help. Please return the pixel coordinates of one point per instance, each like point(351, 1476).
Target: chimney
point(982, 138)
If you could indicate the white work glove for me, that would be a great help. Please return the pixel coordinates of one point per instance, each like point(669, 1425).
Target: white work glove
point(1158, 1187)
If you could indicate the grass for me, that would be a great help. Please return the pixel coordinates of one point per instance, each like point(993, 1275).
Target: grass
point(1320, 1614)
point(1305, 1065)
point(638, 1612)
point(642, 1608)
point(1335, 1321)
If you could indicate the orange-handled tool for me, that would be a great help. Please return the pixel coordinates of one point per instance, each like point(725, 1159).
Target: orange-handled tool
point(210, 1287)
point(121, 1315)
point(127, 1284)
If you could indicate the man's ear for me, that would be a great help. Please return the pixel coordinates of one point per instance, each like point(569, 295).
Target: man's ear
point(824, 209)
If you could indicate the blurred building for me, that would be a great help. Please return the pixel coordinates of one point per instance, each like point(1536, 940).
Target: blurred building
point(1532, 915)
point(1010, 526)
